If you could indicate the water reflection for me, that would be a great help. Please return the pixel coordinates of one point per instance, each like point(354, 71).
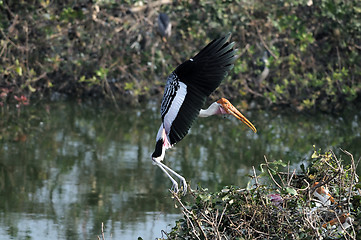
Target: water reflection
point(67, 167)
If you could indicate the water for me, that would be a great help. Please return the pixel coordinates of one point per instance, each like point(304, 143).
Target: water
point(66, 167)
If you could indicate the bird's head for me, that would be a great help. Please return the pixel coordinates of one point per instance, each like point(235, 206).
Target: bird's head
point(230, 109)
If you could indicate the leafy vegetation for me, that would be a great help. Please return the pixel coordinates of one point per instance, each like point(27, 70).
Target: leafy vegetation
point(280, 203)
point(112, 49)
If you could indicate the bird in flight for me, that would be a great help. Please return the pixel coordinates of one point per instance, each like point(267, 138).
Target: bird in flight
point(186, 91)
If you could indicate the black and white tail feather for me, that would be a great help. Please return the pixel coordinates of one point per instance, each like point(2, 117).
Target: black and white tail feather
point(186, 91)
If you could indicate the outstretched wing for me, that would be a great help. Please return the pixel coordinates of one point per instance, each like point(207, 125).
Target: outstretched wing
point(191, 83)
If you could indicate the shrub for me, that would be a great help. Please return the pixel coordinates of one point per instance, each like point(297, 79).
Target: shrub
point(112, 49)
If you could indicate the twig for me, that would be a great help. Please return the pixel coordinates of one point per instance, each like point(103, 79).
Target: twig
point(108, 88)
point(353, 173)
point(306, 188)
point(257, 231)
point(211, 222)
point(344, 233)
point(269, 172)
point(164, 232)
point(190, 222)
point(307, 216)
point(293, 174)
point(358, 161)
point(289, 179)
point(154, 4)
point(220, 219)
point(255, 176)
point(12, 43)
point(103, 237)
point(264, 43)
point(190, 213)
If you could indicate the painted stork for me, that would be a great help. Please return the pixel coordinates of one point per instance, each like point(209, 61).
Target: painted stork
point(186, 91)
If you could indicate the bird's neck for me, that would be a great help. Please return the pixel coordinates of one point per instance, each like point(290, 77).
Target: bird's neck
point(213, 109)
point(161, 145)
point(159, 151)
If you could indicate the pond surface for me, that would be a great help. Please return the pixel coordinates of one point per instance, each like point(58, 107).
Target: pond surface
point(66, 167)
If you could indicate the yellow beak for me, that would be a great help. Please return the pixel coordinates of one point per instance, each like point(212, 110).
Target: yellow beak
point(230, 109)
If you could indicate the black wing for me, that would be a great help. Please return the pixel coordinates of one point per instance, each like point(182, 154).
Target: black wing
point(201, 74)
point(170, 92)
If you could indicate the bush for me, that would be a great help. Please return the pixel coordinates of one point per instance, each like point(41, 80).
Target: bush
point(111, 49)
point(286, 209)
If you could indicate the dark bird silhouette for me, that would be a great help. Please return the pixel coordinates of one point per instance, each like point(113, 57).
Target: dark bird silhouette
point(164, 26)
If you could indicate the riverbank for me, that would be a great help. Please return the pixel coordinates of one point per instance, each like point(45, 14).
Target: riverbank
point(113, 50)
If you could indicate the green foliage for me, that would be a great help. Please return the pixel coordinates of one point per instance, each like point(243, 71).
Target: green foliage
point(78, 47)
point(70, 15)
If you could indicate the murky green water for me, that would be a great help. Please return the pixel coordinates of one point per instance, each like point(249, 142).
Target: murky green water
point(67, 167)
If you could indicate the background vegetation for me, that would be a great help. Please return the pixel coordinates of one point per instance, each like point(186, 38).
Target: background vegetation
point(112, 49)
